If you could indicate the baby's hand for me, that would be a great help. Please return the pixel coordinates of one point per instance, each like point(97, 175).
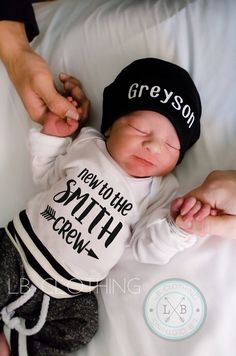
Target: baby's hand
point(191, 208)
point(190, 214)
point(73, 88)
point(55, 126)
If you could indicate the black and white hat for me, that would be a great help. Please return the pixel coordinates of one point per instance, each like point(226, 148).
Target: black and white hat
point(160, 86)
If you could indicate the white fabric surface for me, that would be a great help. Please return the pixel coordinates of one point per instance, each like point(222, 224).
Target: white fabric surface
point(93, 40)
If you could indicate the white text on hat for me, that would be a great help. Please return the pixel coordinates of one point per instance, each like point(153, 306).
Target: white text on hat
point(137, 90)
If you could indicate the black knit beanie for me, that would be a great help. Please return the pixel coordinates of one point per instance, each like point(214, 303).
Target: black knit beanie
point(160, 86)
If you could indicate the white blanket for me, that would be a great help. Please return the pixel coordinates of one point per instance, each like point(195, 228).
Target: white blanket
point(94, 40)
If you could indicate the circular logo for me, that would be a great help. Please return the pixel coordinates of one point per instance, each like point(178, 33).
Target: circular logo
point(174, 309)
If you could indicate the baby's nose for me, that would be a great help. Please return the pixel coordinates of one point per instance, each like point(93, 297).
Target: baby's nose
point(152, 146)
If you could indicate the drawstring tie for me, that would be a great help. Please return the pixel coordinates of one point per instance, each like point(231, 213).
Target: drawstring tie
point(18, 323)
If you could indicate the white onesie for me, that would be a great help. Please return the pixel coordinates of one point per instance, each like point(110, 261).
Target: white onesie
point(75, 230)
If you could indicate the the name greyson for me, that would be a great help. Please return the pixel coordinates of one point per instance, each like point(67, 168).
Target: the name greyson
point(165, 97)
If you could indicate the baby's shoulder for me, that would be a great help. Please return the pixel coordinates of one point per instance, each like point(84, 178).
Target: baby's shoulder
point(87, 133)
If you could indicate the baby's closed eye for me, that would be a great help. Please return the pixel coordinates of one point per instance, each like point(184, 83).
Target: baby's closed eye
point(139, 129)
point(171, 145)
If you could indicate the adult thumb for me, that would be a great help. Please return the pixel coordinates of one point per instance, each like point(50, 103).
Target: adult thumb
point(61, 106)
point(221, 225)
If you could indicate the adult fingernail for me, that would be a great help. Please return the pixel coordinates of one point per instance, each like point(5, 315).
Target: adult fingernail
point(72, 114)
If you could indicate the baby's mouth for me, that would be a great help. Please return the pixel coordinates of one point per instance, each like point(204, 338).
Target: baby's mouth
point(144, 161)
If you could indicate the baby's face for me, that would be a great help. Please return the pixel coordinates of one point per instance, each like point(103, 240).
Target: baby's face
point(144, 144)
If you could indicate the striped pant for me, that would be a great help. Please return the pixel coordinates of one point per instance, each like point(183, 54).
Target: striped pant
point(71, 322)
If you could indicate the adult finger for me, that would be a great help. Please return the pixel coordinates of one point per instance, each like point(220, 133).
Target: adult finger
point(221, 225)
point(60, 105)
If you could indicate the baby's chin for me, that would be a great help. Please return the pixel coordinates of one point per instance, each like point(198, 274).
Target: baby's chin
point(139, 172)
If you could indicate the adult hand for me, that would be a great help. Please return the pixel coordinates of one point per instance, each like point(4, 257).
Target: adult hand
point(31, 75)
point(219, 191)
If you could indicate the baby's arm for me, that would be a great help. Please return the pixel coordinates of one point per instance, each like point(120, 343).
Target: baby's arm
point(49, 147)
point(156, 238)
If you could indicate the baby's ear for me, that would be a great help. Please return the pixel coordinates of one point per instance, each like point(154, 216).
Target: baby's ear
point(107, 133)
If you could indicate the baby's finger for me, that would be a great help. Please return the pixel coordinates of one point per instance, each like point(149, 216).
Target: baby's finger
point(188, 204)
point(68, 78)
point(80, 97)
point(73, 88)
point(84, 110)
point(78, 94)
point(175, 206)
point(191, 213)
point(203, 212)
point(70, 85)
point(73, 125)
point(72, 101)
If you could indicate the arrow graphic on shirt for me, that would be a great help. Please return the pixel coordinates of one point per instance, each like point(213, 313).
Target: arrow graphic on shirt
point(91, 253)
point(49, 213)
